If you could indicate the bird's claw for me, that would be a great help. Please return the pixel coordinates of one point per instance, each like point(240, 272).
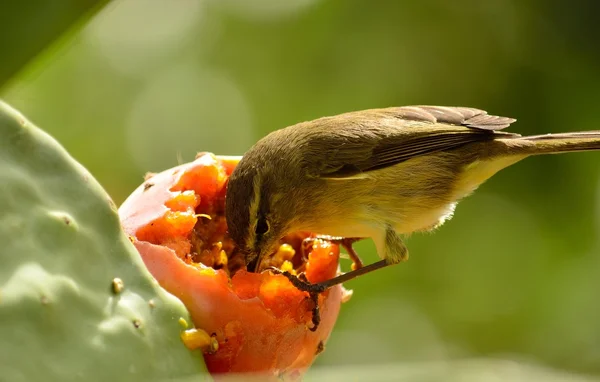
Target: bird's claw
point(303, 285)
point(300, 282)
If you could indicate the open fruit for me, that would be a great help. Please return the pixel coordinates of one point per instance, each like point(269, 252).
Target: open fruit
point(258, 322)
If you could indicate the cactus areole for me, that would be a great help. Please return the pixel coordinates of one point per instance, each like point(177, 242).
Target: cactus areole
point(245, 321)
point(76, 302)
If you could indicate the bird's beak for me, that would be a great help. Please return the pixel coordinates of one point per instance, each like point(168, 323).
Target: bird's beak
point(263, 253)
point(254, 264)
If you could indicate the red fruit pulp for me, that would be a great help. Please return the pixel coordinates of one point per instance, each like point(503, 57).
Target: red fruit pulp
point(260, 320)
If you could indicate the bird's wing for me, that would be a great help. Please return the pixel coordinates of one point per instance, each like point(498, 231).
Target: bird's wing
point(378, 138)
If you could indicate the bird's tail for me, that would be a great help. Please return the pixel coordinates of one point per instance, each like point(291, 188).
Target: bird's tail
point(559, 143)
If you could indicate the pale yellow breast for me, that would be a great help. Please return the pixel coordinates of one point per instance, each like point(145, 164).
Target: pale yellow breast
point(400, 197)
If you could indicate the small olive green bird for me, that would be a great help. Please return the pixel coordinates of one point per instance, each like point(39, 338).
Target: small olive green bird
point(377, 174)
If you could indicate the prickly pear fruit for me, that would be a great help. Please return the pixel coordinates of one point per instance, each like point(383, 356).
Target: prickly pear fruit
point(76, 302)
point(261, 321)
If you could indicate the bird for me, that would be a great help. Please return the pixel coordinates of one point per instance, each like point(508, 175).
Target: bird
point(377, 173)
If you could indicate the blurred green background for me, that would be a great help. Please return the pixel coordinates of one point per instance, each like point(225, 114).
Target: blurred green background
point(145, 84)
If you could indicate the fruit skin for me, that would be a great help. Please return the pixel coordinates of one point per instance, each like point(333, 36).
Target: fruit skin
point(252, 339)
point(62, 316)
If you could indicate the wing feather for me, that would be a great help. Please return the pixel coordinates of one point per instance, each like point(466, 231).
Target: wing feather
point(374, 139)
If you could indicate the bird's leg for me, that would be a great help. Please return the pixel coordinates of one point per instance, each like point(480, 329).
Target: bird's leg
point(345, 242)
point(315, 289)
point(395, 251)
point(304, 286)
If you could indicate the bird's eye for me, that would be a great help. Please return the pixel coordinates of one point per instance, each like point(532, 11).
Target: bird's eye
point(262, 226)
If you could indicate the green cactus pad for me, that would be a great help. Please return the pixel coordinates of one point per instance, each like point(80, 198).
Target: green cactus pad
point(76, 302)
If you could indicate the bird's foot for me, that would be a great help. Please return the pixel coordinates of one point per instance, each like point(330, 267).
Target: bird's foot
point(314, 290)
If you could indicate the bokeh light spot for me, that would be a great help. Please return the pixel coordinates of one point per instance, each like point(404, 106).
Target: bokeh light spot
point(137, 37)
point(185, 110)
point(368, 329)
point(264, 9)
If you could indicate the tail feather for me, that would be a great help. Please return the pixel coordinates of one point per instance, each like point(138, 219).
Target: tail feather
point(562, 142)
